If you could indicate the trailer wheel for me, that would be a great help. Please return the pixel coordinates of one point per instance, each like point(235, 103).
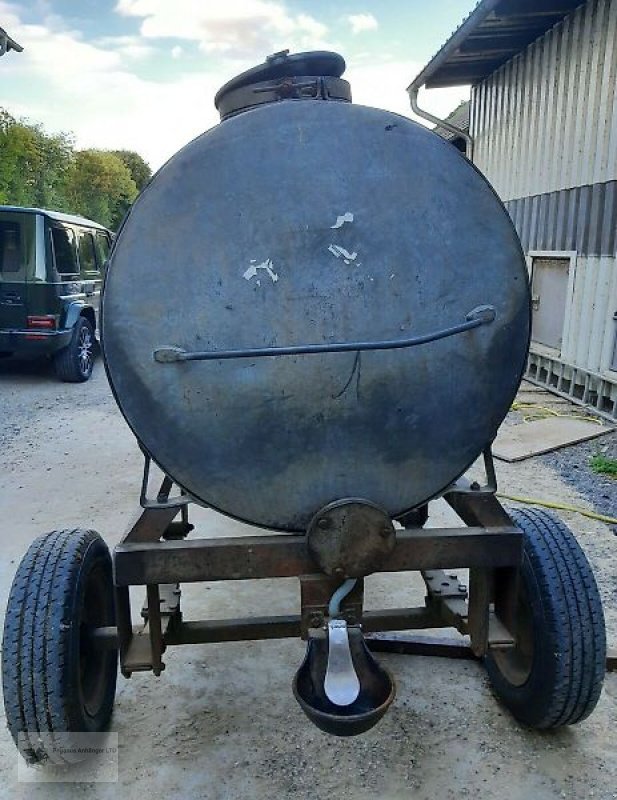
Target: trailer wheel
point(54, 680)
point(553, 677)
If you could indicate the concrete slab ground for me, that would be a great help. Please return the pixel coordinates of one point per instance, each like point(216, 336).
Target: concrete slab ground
point(517, 442)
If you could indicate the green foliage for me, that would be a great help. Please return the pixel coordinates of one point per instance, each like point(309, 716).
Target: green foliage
point(33, 164)
point(603, 465)
point(139, 169)
point(100, 186)
point(44, 170)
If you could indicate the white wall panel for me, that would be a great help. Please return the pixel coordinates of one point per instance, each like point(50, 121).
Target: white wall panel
point(589, 332)
point(547, 119)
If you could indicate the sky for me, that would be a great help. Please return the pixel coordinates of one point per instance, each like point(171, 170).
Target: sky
point(142, 74)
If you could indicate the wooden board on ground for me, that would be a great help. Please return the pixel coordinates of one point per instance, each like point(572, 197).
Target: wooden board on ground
point(530, 393)
point(540, 398)
point(517, 442)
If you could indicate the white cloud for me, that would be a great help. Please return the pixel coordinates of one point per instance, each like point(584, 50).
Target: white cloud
point(131, 47)
point(310, 26)
point(236, 28)
point(362, 22)
point(384, 84)
point(91, 88)
point(176, 51)
point(91, 91)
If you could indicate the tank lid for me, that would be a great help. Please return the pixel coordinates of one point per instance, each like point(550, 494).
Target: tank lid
point(314, 75)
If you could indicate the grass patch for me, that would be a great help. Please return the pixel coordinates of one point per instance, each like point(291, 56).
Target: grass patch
point(603, 465)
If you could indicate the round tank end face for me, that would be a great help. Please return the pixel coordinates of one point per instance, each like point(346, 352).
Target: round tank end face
point(315, 223)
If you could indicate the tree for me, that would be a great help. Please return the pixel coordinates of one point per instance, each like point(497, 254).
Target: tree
point(33, 164)
point(139, 169)
point(41, 169)
point(100, 186)
point(54, 165)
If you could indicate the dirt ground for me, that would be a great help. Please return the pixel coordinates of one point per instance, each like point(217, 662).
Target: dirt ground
point(221, 722)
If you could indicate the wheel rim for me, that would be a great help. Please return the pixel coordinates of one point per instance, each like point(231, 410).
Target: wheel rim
point(84, 350)
point(515, 663)
point(93, 663)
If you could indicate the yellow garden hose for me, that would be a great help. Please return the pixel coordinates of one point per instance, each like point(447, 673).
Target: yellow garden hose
point(531, 501)
point(542, 412)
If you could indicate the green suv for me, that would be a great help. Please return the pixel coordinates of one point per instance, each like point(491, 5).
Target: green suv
point(51, 270)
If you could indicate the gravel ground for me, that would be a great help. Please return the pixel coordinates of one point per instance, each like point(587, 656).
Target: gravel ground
point(572, 464)
point(221, 722)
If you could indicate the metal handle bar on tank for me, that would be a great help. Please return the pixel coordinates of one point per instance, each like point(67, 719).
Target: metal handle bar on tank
point(482, 315)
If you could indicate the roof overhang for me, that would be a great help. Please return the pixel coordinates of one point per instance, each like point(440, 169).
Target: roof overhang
point(494, 32)
point(6, 43)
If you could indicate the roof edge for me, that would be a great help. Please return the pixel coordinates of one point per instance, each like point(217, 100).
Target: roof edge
point(6, 43)
point(469, 24)
point(60, 216)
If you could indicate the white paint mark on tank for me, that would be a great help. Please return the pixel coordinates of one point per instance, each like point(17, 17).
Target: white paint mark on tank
point(341, 220)
point(340, 252)
point(266, 265)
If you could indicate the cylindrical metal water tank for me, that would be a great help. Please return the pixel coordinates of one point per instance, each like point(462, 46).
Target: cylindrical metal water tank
point(314, 222)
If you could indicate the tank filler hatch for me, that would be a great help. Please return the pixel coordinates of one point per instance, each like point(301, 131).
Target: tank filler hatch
point(301, 76)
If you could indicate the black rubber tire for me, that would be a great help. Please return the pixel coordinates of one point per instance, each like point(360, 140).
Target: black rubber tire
point(43, 674)
point(68, 363)
point(568, 637)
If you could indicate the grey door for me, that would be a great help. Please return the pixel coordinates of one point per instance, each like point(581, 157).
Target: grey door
point(549, 292)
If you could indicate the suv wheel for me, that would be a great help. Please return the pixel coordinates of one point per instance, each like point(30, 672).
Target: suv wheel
point(75, 362)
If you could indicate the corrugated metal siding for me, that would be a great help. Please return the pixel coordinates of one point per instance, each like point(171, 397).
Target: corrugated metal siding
point(589, 332)
point(545, 134)
point(582, 219)
point(547, 120)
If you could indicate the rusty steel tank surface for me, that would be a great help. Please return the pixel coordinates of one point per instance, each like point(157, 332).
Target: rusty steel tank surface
point(312, 223)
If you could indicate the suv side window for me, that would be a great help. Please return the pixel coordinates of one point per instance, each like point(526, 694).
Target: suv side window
point(102, 248)
point(87, 256)
point(10, 247)
point(65, 255)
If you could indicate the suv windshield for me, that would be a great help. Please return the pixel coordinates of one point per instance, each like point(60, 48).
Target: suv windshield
point(17, 246)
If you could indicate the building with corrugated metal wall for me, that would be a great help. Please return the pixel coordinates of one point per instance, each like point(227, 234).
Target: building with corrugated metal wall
point(543, 126)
